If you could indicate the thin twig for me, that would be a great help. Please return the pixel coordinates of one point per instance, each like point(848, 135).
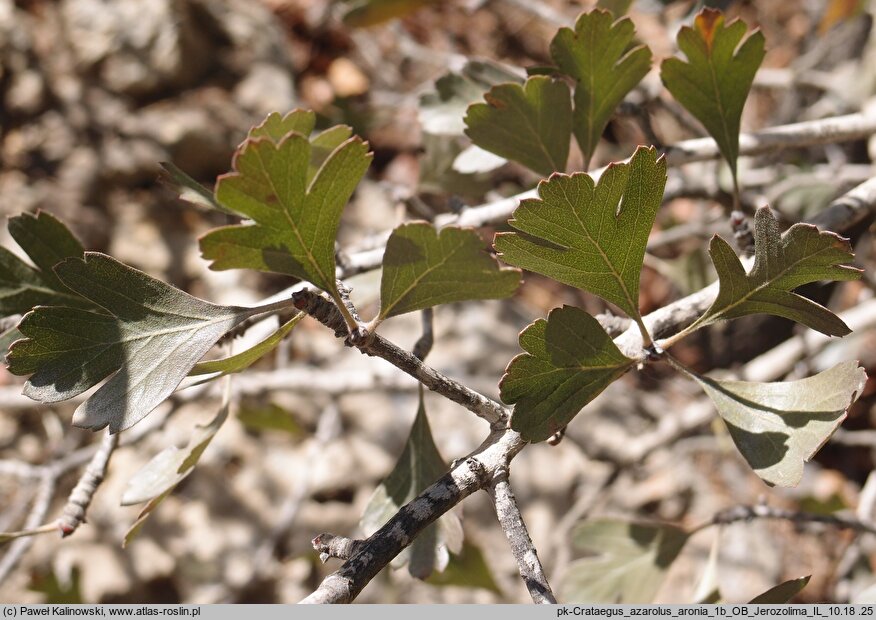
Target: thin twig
point(327, 313)
point(467, 476)
point(508, 513)
point(73, 514)
point(773, 139)
point(747, 513)
point(295, 378)
point(80, 498)
point(40, 507)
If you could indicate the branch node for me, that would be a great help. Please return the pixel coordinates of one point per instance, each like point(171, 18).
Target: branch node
point(360, 338)
point(331, 546)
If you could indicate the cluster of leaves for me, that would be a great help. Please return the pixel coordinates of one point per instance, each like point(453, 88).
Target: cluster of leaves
point(89, 317)
point(592, 235)
point(531, 123)
point(591, 232)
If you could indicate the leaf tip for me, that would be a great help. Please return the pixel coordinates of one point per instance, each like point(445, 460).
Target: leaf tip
point(493, 101)
point(708, 22)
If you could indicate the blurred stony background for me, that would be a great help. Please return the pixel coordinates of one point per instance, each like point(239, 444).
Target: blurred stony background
point(94, 94)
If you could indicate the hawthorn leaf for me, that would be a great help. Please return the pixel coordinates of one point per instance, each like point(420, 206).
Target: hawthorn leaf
point(782, 593)
point(714, 83)
point(782, 262)
point(530, 124)
point(596, 54)
point(779, 426)
point(424, 267)
point(190, 190)
point(295, 220)
point(46, 241)
point(172, 465)
point(148, 336)
point(243, 360)
point(629, 565)
point(591, 236)
point(276, 127)
point(569, 360)
point(418, 467)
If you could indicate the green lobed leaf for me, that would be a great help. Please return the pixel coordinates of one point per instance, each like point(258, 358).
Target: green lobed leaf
point(243, 360)
point(713, 85)
point(424, 267)
point(782, 593)
point(418, 467)
point(296, 219)
point(46, 241)
point(630, 563)
point(530, 124)
point(591, 236)
point(597, 55)
point(569, 360)
point(148, 339)
point(779, 426)
point(782, 262)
